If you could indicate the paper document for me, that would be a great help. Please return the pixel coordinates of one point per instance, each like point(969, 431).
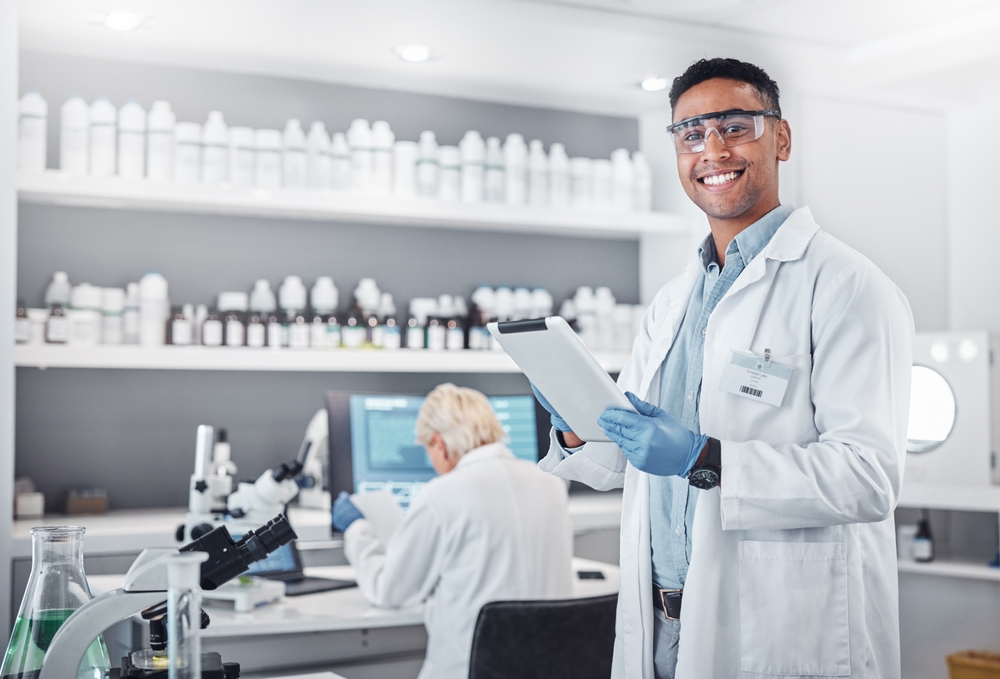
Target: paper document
point(382, 511)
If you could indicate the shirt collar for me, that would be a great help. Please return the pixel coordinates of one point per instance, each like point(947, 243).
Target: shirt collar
point(488, 452)
point(750, 241)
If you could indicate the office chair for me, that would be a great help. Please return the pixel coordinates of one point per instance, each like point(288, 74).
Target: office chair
point(564, 639)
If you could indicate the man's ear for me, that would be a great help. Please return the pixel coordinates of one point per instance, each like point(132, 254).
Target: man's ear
point(783, 139)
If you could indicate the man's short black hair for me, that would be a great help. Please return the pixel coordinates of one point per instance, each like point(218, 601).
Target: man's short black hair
point(733, 69)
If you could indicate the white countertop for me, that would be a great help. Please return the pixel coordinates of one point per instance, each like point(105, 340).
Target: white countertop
point(344, 609)
point(126, 531)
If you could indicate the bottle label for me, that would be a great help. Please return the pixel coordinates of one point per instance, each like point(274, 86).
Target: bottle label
point(256, 335)
point(414, 338)
point(318, 336)
point(180, 332)
point(393, 337)
point(455, 339)
point(333, 335)
point(234, 334)
point(436, 337)
point(57, 330)
point(211, 333)
point(298, 336)
point(353, 336)
point(923, 549)
point(22, 331)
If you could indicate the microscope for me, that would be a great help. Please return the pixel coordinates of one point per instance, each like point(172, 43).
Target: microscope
point(144, 592)
point(212, 501)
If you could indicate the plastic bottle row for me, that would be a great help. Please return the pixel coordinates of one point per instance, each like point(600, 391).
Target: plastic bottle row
point(102, 140)
point(141, 313)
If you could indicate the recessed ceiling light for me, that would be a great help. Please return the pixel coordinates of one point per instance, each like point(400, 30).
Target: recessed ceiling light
point(414, 53)
point(656, 84)
point(123, 22)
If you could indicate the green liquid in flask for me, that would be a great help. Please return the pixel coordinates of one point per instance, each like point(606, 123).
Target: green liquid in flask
point(31, 639)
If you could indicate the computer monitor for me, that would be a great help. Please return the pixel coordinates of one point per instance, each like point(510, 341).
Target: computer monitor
point(378, 450)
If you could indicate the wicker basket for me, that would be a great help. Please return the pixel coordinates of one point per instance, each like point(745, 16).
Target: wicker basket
point(974, 665)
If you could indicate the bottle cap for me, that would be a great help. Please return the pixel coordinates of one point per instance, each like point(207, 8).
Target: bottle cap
point(450, 156)
point(557, 157)
point(386, 307)
point(75, 112)
point(267, 140)
point(359, 135)
point(189, 133)
point(32, 104)
point(215, 131)
point(233, 301)
point(318, 136)
point(241, 137)
point(113, 300)
point(292, 294)
point(294, 137)
point(103, 112)
point(161, 117)
point(428, 145)
point(504, 301)
point(261, 298)
point(339, 145)
point(382, 135)
point(85, 296)
point(473, 147)
point(367, 294)
point(132, 117)
point(324, 295)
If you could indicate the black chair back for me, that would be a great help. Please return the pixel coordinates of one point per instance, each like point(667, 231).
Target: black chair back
point(564, 639)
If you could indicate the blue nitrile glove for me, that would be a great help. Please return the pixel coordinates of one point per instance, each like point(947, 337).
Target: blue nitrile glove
point(557, 422)
point(652, 439)
point(344, 512)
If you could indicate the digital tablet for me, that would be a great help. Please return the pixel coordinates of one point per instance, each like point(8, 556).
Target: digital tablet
point(563, 369)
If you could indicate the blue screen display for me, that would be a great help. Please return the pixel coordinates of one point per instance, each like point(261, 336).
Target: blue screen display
point(280, 560)
point(384, 451)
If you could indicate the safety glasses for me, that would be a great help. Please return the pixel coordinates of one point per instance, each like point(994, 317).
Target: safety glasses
point(732, 127)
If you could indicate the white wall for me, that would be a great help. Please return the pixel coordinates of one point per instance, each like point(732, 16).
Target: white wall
point(8, 271)
point(874, 177)
point(974, 220)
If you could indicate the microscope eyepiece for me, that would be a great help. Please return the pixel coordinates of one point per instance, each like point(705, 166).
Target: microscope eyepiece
point(228, 558)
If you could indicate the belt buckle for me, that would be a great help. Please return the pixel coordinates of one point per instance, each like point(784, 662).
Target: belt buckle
point(663, 602)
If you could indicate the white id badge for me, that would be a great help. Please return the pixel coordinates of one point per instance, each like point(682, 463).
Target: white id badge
point(756, 378)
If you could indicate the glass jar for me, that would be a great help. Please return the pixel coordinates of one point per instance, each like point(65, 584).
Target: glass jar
point(56, 588)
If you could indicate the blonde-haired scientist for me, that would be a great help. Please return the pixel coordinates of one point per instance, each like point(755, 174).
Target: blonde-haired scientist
point(490, 527)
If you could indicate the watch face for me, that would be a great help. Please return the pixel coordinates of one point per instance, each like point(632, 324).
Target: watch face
point(704, 478)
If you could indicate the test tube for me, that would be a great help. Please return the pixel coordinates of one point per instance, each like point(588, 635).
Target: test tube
point(184, 615)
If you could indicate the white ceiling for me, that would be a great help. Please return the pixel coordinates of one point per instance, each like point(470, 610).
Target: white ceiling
point(579, 54)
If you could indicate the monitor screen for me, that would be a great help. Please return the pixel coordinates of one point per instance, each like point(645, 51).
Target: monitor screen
point(384, 451)
point(281, 560)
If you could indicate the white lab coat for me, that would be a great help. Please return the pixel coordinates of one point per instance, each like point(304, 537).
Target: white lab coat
point(494, 528)
point(793, 563)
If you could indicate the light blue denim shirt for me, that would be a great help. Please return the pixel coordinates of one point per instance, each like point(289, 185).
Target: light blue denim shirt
point(671, 499)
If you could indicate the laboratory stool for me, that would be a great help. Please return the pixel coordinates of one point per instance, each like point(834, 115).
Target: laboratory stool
point(563, 639)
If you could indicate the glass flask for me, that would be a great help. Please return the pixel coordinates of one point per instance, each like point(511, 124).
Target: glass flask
point(56, 588)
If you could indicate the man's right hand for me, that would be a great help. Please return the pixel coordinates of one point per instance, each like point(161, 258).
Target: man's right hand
point(570, 440)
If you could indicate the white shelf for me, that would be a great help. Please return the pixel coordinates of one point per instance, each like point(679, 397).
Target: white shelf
point(939, 496)
point(56, 188)
point(244, 358)
point(951, 569)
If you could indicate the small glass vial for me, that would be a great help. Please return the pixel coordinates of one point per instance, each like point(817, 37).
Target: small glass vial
point(415, 336)
point(392, 337)
point(454, 335)
point(333, 338)
point(375, 335)
point(276, 332)
point(212, 330)
point(298, 331)
point(436, 334)
point(353, 332)
point(256, 331)
point(180, 328)
point(318, 338)
point(22, 326)
point(57, 327)
point(235, 330)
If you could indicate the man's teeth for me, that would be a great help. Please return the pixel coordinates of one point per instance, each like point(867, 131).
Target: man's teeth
point(717, 179)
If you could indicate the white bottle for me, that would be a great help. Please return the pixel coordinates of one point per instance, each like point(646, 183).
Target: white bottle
point(318, 152)
point(103, 130)
point(198, 327)
point(112, 309)
point(449, 189)
point(427, 165)
point(232, 307)
point(215, 149)
point(154, 309)
point(187, 153)
point(74, 136)
point(604, 308)
point(602, 184)
point(340, 163)
point(538, 175)
point(292, 300)
point(295, 163)
point(642, 198)
point(262, 302)
point(622, 180)
point(132, 140)
point(558, 177)
point(32, 129)
point(404, 184)
point(523, 302)
point(182, 329)
point(85, 315)
point(473, 167)
point(268, 144)
point(324, 299)
point(58, 291)
point(494, 174)
point(359, 137)
point(130, 315)
point(515, 156)
point(383, 139)
point(242, 156)
point(160, 140)
point(581, 184)
point(389, 329)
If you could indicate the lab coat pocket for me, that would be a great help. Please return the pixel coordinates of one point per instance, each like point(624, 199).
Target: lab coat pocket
point(793, 608)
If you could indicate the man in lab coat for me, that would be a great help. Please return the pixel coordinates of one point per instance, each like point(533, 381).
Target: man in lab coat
point(491, 527)
point(770, 382)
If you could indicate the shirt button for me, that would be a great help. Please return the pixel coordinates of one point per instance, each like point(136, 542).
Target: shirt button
point(691, 396)
point(704, 331)
point(677, 530)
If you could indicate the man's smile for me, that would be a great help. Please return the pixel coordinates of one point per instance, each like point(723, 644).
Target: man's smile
point(720, 179)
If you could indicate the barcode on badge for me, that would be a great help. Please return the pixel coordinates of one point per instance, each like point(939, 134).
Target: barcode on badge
point(756, 393)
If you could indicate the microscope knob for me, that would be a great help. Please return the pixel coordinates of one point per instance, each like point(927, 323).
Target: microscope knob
point(179, 533)
point(199, 530)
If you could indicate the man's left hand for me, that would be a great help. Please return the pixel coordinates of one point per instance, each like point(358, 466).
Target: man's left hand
point(652, 440)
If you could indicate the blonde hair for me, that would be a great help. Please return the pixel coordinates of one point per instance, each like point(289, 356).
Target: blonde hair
point(463, 417)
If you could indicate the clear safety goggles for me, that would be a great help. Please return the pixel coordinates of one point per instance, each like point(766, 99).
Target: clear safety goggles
point(733, 127)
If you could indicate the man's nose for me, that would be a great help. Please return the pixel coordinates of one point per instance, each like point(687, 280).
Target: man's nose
point(714, 146)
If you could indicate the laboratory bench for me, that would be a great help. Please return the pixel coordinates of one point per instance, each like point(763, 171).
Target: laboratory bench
point(336, 630)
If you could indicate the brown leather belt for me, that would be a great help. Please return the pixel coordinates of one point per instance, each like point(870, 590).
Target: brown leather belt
point(668, 601)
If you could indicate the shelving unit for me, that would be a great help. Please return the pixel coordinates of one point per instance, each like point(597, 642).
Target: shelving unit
point(951, 569)
point(57, 188)
point(244, 358)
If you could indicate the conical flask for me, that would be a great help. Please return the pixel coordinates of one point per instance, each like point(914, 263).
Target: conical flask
point(57, 587)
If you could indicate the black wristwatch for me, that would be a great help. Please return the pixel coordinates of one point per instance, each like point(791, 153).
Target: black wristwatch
point(709, 473)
